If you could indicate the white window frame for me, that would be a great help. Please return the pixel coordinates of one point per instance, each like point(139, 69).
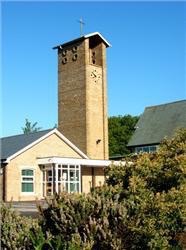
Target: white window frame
point(67, 167)
point(141, 149)
point(28, 176)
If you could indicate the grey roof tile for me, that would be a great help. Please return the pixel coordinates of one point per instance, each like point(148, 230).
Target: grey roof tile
point(12, 144)
point(159, 121)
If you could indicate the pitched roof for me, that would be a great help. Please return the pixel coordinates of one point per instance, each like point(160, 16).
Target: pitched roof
point(12, 144)
point(159, 121)
point(83, 38)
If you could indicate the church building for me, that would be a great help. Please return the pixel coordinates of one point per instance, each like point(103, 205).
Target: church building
point(71, 158)
point(156, 123)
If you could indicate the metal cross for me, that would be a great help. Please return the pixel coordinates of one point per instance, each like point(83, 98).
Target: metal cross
point(81, 26)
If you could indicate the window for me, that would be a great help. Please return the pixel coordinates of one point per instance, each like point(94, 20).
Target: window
point(69, 178)
point(61, 177)
point(147, 149)
point(27, 181)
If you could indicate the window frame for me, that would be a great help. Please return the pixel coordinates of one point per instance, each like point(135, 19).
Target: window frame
point(26, 181)
point(146, 149)
point(70, 168)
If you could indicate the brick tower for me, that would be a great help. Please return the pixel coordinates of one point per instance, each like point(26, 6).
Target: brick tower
point(82, 94)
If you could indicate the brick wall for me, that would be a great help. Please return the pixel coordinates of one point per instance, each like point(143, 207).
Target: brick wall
point(82, 101)
point(51, 146)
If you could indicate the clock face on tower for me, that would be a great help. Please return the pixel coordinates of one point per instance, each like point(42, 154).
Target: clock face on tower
point(95, 75)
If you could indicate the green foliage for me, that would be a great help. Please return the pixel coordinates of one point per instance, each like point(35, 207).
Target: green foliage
point(84, 221)
point(38, 240)
point(120, 130)
point(152, 188)
point(30, 128)
point(15, 229)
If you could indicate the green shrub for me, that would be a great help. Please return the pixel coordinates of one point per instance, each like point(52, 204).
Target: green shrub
point(15, 229)
point(153, 189)
point(92, 219)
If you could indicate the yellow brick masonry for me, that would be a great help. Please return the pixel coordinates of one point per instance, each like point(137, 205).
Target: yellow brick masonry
point(96, 107)
point(71, 97)
point(82, 102)
point(50, 146)
point(92, 177)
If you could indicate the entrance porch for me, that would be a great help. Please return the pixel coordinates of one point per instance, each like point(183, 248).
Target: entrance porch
point(69, 174)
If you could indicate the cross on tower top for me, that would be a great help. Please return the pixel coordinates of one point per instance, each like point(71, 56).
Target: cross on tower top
point(81, 26)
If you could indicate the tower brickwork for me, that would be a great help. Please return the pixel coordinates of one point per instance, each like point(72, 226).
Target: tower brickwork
point(82, 94)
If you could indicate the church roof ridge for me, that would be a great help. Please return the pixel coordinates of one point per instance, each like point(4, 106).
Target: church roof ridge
point(83, 38)
point(166, 104)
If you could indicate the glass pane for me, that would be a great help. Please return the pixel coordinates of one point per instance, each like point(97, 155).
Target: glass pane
point(72, 175)
point(77, 175)
point(49, 175)
point(138, 149)
point(59, 174)
point(64, 166)
point(146, 149)
point(72, 166)
point(152, 148)
point(77, 187)
point(49, 172)
point(27, 187)
point(27, 172)
point(64, 175)
point(59, 188)
point(72, 187)
point(66, 187)
point(28, 179)
point(49, 188)
point(23, 172)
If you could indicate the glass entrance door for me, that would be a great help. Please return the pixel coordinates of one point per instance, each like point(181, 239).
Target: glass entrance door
point(48, 181)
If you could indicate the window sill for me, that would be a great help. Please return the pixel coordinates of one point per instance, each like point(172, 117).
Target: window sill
point(27, 193)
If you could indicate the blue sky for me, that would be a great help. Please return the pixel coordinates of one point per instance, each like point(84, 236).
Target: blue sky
point(145, 66)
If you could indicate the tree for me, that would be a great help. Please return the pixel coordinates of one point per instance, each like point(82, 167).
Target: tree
point(120, 130)
point(30, 128)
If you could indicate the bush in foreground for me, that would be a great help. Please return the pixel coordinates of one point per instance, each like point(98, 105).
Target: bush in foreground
point(15, 229)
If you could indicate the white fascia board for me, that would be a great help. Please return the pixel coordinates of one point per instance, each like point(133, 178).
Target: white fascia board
point(73, 161)
point(54, 131)
point(97, 33)
point(29, 146)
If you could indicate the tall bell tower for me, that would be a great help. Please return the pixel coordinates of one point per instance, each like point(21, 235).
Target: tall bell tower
point(82, 94)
